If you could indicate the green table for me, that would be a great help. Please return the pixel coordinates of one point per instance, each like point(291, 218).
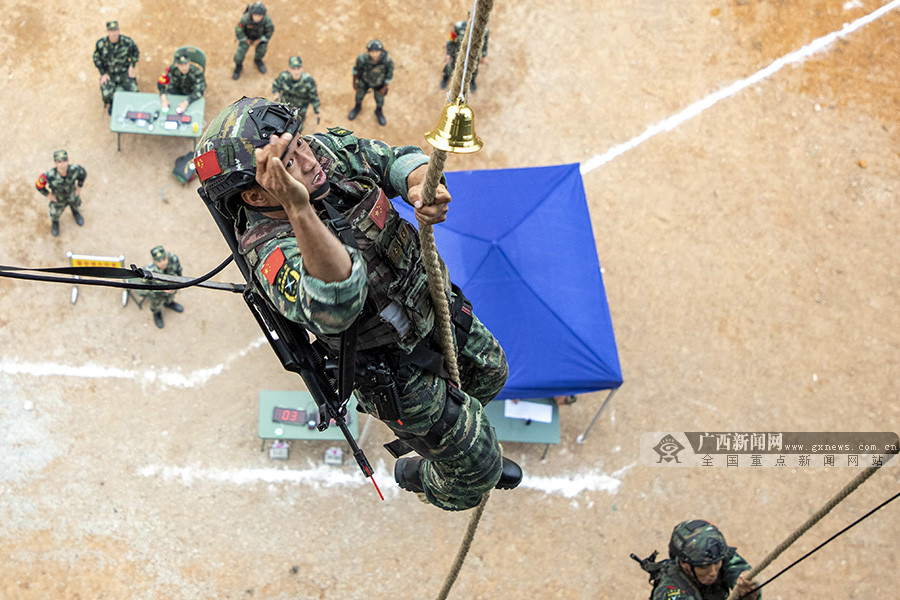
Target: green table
point(268, 429)
point(520, 430)
point(143, 102)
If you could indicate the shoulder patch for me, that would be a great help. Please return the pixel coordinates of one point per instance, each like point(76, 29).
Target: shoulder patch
point(272, 265)
point(164, 79)
point(41, 182)
point(339, 131)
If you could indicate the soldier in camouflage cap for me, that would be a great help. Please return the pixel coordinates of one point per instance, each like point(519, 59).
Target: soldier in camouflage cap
point(255, 28)
point(297, 88)
point(184, 78)
point(453, 47)
point(115, 57)
point(287, 211)
point(701, 566)
point(62, 185)
point(373, 69)
point(168, 264)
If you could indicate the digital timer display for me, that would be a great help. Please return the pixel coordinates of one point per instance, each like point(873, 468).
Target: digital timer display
point(289, 416)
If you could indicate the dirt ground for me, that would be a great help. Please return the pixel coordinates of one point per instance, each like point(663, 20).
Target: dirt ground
point(750, 259)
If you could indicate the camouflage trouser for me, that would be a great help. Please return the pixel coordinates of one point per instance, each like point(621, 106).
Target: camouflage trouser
point(157, 300)
point(117, 82)
point(57, 208)
point(364, 89)
point(243, 46)
point(448, 70)
point(466, 462)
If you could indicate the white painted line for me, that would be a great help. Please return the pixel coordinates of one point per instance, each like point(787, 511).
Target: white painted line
point(163, 377)
point(698, 107)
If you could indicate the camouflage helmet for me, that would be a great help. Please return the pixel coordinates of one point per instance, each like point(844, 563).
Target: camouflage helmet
point(698, 543)
point(374, 45)
point(225, 159)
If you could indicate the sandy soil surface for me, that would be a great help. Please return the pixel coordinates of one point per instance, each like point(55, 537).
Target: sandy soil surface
point(750, 258)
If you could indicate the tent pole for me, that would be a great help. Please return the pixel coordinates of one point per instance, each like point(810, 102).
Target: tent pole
point(580, 438)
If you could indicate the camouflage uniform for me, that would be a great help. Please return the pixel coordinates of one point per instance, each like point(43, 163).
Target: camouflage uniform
point(158, 300)
point(453, 48)
point(299, 94)
point(675, 584)
point(114, 59)
point(377, 76)
point(246, 30)
point(191, 84)
point(465, 461)
point(64, 187)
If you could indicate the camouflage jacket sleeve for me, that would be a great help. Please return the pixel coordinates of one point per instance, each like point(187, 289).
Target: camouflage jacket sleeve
point(134, 53)
point(41, 184)
point(322, 308)
point(99, 61)
point(239, 32)
point(80, 174)
point(732, 566)
point(174, 266)
point(388, 166)
point(268, 29)
point(199, 83)
point(360, 66)
point(279, 86)
point(389, 72)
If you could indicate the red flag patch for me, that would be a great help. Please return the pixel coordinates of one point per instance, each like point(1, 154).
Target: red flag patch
point(41, 182)
point(207, 165)
point(379, 212)
point(164, 78)
point(272, 265)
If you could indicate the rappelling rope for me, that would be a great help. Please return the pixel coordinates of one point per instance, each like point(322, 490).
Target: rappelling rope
point(430, 257)
point(846, 491)
point(459, 83)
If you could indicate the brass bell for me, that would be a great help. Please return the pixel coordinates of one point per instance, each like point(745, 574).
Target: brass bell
point(455, 131)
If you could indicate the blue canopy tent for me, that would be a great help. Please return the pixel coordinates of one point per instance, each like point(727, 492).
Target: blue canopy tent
point(519, 243)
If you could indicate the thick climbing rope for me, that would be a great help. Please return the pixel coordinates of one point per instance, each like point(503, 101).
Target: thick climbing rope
point(459, 83)
point(815, 518)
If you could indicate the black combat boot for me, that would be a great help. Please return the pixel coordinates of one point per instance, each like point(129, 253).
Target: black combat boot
point(79, 220)
point(238, 67)
point(445, 81)
point(175, 306)
point(354, 111)
point(380, 116)
point(260, 65)
point(54, 228)
point(157, 318)
point(472, 86)
point(408, 474)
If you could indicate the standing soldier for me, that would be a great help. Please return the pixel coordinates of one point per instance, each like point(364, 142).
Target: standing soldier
point(62, 184)
point(453, 46)
point(181, 78)
point(374, 69)
point(298, 89)
point(254, 29)
point(167, 264)
point(115, 57)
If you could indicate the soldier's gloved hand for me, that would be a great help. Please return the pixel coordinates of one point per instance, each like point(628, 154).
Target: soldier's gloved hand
point(355, 82)
point(272, 174)
point(104, 78)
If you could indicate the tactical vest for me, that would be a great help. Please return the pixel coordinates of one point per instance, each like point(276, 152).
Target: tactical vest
point(398, 308)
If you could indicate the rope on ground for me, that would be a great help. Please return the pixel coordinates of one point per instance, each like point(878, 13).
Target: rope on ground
point(815, 518)
point(464, 548)
point(436, 283)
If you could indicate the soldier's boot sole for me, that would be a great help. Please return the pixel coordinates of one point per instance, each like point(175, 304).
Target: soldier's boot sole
point(158, 319)
point(408, 474)
point(353, 112)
